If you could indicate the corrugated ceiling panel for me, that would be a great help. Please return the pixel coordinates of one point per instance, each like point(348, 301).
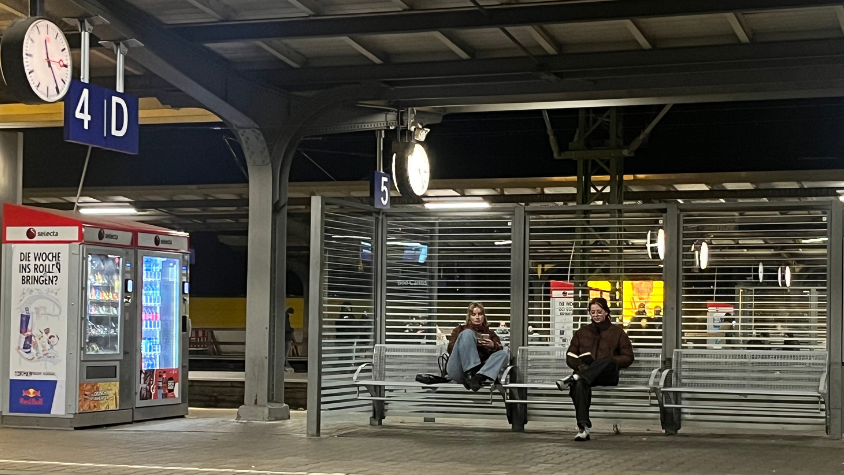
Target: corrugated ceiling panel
point(241, 52)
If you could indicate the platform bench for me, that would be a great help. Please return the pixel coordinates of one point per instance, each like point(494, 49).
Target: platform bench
point(539, 367)
point(774, 387)
point(391, 377)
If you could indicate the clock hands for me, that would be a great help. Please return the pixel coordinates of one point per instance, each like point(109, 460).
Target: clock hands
point(50, 62)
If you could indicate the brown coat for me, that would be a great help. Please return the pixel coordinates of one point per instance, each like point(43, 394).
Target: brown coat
point(482, 352)
point(610, 343)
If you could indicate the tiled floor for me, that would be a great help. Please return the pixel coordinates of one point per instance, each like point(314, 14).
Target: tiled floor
point(211, 442)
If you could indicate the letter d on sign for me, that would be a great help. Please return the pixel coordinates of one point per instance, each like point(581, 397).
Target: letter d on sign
point(115, 101)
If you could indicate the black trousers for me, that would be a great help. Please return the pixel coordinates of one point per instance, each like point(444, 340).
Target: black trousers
point(603, 372)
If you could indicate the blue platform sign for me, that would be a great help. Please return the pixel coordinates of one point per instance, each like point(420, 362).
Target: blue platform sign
point(381, 190)
point(101, 118)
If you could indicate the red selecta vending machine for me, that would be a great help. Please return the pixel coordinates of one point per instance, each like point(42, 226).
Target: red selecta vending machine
point(95, 325)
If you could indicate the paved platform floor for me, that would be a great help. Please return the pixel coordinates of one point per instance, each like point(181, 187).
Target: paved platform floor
point(211, 442)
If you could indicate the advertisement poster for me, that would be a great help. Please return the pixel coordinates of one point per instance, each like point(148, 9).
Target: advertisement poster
point(643, 298)
point(159, 384)
point(562, 312)
point(718, 316)
point(97, 397)
point(38, 359)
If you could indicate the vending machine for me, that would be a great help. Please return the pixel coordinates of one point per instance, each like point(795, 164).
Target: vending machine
point(91, 307)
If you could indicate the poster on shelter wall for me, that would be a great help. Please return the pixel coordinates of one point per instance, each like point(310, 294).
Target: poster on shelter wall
point(562, 312)
point(38, 336)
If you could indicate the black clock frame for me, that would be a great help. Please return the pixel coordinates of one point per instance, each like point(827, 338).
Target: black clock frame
point(402, 151)
point(11, 61)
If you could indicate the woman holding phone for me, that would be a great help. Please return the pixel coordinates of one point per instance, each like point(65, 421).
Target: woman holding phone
point(596, 353)
point(474, 351)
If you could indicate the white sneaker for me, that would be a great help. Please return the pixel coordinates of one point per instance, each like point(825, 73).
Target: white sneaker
point(583, 435)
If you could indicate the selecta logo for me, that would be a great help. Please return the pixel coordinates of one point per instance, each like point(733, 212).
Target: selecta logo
point(159, 241)
point(30, 233)
point(101, 234)
point(104, 235)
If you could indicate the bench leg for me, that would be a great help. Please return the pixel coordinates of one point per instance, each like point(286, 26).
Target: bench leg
point(517, 413)
point(669, 418)
point(378, 407)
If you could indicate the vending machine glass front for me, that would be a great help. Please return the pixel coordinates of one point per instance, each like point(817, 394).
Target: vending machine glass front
point(160, 328)
point(104, 310)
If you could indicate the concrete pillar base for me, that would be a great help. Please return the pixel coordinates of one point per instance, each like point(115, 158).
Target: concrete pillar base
point(268, 413)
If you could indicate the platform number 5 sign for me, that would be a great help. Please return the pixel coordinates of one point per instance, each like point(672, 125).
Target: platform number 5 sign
point(381, 190)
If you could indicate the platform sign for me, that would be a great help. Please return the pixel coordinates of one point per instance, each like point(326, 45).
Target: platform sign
point(381, 190)
point(101, 118)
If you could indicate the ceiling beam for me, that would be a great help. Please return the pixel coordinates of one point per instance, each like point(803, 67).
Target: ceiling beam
point(283, 52)
point(743, 32)
point(575, 66)
point(223, 11)
point(308, 7)
point(460, 48)
point(402, 5)
point(207, 77)
point(839, 13)
point(497, 17)
point(544, 39)
point(640, 38)
point(215, 8)
point(19, 11)
point(374, 56)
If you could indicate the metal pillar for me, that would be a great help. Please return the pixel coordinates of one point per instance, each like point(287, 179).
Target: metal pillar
point(598, 149)
point(519, 281)
point(834, 324)
point(672, 276)
point(261, 403)
point(315, 313)
point(379, 317)
point(11, 168)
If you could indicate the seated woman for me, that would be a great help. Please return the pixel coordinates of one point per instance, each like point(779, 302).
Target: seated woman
point(596, 353)
point(474, 351)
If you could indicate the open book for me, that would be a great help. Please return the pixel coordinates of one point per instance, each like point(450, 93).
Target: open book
point(585, 358)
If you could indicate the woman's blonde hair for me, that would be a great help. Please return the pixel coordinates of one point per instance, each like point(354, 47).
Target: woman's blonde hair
point(472, 307)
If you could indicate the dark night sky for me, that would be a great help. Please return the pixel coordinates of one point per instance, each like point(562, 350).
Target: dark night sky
point(691, 138)
point(753, 136)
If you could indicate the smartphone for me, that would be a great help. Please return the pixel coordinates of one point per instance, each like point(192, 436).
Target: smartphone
point(482, 336)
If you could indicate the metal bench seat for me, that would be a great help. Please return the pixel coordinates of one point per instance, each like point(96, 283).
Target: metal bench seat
point(532, 381)
point(391, 377)
point(752, 386)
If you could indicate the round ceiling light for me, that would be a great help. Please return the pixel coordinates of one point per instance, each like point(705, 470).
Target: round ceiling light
point(701, 250)
point(787, 276)
point(660, 243)
point(761, 272)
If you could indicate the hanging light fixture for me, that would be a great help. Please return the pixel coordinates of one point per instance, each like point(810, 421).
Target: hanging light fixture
point(784, 276)
point(656, 240)
point(757, 273)
point(701, 250)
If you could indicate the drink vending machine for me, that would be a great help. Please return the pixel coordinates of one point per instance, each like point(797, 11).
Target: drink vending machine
point(94, 326)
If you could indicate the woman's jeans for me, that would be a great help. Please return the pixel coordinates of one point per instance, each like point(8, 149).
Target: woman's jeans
point(464, 356)
point(603, 372)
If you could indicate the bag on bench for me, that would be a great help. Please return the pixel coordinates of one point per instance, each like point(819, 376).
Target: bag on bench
point(428, 378)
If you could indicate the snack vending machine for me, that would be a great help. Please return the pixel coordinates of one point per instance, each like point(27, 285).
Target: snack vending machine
point(74, 344)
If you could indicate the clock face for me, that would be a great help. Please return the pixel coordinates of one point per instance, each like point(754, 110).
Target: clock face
point(47, 60)
point(418, 170)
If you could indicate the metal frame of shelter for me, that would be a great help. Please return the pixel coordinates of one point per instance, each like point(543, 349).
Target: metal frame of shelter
point(765, 230)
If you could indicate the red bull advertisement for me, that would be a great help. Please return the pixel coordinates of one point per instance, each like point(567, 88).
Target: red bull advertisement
point(38, 343)
point(32, 397)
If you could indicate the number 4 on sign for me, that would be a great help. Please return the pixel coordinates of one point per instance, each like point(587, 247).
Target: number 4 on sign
point(82, 109)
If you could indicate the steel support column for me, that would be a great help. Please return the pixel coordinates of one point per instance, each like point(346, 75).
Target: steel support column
point(672, 276)
point(519, 277)
point(315, 314)
point(834, 324)
point(261, 402)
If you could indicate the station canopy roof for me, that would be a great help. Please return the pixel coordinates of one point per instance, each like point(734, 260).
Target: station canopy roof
point(224, 207)
point(462, 56)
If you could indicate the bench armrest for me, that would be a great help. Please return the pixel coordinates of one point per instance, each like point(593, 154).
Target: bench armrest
point(822, 388)
point(665, 375)
point(652, 381)
point(506, 374)
point(360, 368)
